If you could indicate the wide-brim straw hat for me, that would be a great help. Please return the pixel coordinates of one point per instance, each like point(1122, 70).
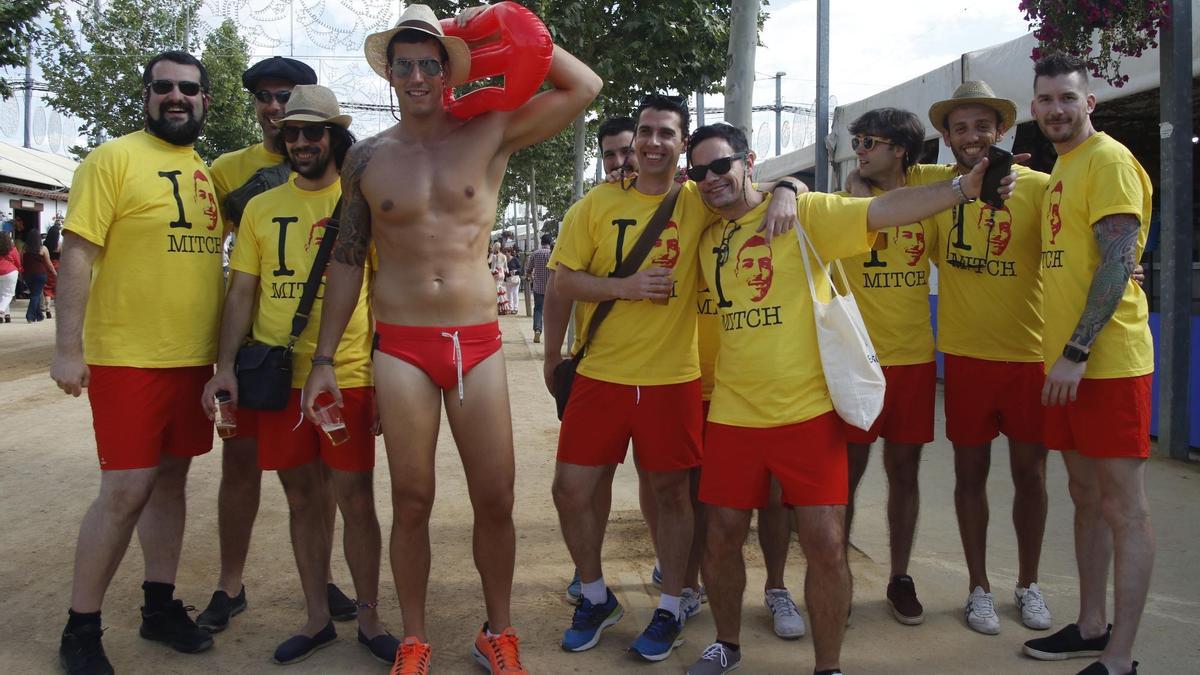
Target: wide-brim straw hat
point(314, 103)
point(973, 92)
point(420, 18)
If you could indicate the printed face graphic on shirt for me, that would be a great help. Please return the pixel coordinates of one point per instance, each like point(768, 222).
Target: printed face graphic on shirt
point(315, 237)
point(1055, 216)
point(666, 248)
point(911, 238)
point(754, 267)
point(206, 198)
point(996, 225)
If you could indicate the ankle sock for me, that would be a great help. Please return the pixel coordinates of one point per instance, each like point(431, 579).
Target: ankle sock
point(158, 595)
point(730, 646)
point(671, 604)
point(80, 619)
point(594, 591)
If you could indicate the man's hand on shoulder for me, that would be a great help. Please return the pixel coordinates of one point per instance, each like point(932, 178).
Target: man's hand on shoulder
point(781, 216)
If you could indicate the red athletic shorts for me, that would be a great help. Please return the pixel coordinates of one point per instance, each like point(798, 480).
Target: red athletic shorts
point(444, 353)
point(247, 424)
point(139, 414)
point(1109, 418)
point(907, 415)
point(808, 459)
point(987, 398)
point(284, 445)
point(665, 422)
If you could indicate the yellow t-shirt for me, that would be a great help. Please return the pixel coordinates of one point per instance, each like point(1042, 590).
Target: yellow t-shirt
point(231, 170)
point(708, 338)
point(641, 342)
point(769, 373)
point(582, 313)
point(891, 288)
point(1097, 179)
point(989, 284)
point(157, 283)
point(278, 240)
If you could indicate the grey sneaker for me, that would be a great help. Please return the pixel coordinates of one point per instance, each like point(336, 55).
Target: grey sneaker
point(1034, 613)
point(789, 623)
point(980, 612)
point(715, 660)
point(689, 603)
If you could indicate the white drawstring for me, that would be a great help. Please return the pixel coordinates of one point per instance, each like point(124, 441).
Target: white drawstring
point(301, 411)
point(457, 362)
point(638, 399)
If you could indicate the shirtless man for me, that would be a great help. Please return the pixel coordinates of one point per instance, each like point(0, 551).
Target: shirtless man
point(425, 192)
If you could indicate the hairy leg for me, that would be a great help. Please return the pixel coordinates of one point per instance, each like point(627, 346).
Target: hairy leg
point(827, 580)
point(160, 527)
point(971, 465)
point(237, 508)
point(725, 568)
point(575, 490)
point(902, 462)
point(305, 488)
point(354, 491)
point(1027, 462)
point(859, 455)
point(672, 493)
point(647, 503)
point(1093, 543)
point(105, 531)
point(774, 536)
point(1127, 513)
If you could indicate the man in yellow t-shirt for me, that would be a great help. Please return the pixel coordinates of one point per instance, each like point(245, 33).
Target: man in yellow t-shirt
point(139, 302)
point(990, 330)
point(771, 413)
point(891, 287)
point(280, 234)
point(1100, 358)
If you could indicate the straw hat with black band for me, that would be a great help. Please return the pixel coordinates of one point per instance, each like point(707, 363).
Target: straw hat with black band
point(420, 18)
point(314, 103)
point(973, 92)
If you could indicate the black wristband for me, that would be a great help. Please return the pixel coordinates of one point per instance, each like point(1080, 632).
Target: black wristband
point(322, 360)
point(787, 185)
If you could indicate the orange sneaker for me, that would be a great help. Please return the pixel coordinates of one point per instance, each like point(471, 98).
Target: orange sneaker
point(412, 658)
point(500, 654)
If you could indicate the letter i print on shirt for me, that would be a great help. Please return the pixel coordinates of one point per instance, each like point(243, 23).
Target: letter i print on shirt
point(173, 177)
point(283, 222)
point(622, 225)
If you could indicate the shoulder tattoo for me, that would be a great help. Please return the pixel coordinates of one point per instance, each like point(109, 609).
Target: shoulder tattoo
point(354, 237)
point(1116, 236)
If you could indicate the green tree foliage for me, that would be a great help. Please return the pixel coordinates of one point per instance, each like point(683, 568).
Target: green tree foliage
point(16, 29)
point(231, 125)
point(94, 72)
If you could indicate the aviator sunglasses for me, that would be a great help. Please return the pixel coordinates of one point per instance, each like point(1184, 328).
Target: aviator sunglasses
point(868, 142)
point(404, 67)
point(164, 87)
point(265, 96)
point(718, 166)
point(312, 132)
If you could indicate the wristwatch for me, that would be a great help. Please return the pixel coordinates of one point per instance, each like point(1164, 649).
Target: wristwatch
point(1075, 354)
point(956, 184)
point(787, 185)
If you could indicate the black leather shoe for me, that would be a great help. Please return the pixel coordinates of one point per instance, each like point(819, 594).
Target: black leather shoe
point(382, 646)
point(341, 608)
point(215, 618)
point(300, 647)
point(173, 627)
point(81, 652)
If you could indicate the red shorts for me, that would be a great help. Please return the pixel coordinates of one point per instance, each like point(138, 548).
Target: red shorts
point(139, 414)
point(284, 445)
point(665, 422)
point(808, 459)
point(907, 415)
point(1109, 418)
point(984, 399)
point(247, 424)
point(444, 353)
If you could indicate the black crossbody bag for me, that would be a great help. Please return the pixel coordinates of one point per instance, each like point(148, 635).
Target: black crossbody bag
point(564, 373)
point(264, 372)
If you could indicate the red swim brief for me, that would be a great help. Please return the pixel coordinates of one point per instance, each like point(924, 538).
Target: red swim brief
point(444, 353)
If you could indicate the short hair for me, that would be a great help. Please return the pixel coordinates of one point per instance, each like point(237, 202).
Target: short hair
point(729, 133)
point(898, 126)
point(1058, 63)
point(412, 36)
point(675, 104)
point(614, 126)
point(175, 56)
point(756, 240)
point(547, 240)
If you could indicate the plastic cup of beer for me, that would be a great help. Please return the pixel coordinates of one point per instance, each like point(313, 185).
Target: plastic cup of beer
point(226, 418)
point(330, 417)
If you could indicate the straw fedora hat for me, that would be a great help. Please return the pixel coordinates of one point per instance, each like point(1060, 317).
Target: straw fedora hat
point(314, 103)
point(420, 18)
point(973, 92)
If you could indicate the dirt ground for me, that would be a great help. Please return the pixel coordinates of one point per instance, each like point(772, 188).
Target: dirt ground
point(49, 475)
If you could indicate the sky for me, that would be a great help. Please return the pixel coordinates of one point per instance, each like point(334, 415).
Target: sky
point(874, 44)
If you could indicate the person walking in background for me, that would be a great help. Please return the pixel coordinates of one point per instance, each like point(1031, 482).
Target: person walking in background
point(53, 244)
point(10, 269)
point(512, 280)
point(535, 271)
point(37, 268)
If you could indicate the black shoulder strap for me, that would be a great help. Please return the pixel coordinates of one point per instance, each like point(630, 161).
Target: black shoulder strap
point(300, 321)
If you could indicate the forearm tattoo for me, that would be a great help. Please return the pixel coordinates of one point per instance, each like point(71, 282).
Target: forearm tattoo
point(354, 237)
point(1117, 237)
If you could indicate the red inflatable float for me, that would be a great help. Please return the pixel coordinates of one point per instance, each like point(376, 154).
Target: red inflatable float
point(508, 41)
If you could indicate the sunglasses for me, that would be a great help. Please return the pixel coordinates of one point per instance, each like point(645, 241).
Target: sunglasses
point(868, 142)
point(718, 166)
point(312, 132)
point(404, 67)
point(280, 97)
point(164, 87)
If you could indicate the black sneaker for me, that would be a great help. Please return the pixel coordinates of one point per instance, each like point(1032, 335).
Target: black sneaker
point(175, 628)
point(902, 600)
point(341, 608)
point(1098, 668)
point(81, 652)
point(215, 618)
point(1066, 644)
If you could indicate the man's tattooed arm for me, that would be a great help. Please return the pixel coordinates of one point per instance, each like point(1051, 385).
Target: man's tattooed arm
point(1117, 237)
point(354, 237)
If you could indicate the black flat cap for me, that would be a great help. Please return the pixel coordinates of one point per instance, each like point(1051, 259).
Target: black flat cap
point(278, 68)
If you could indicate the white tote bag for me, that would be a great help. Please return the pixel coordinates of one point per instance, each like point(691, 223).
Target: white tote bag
point(852, 370)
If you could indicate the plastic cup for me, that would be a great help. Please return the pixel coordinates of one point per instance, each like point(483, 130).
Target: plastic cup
point(329, 415)
point(226, 419)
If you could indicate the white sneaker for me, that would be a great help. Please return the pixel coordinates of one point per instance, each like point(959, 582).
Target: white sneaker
point(980, 612)
point(789, 623)
point(689, 603)
point(1034, 613)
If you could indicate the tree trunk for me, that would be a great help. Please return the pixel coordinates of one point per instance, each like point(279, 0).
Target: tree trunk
point(580, 153)
point(739, 79)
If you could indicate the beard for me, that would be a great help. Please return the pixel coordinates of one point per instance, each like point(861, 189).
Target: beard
point(176, 133)
point(311, 169)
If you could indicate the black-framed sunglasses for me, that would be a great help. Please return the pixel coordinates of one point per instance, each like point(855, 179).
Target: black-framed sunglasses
point(722, 251)
point(312, 132)
point(868, 142)
point(718, 166)
point(164, 87)
point(265, 96)
point(404, 67)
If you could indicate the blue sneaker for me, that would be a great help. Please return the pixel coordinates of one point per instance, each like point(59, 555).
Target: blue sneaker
point(660, 637)
point(575, 589)
point(656, 577)
point(589, 621)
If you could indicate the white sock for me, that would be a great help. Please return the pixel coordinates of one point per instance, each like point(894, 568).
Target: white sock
point(594, 591)
point(671, 604)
